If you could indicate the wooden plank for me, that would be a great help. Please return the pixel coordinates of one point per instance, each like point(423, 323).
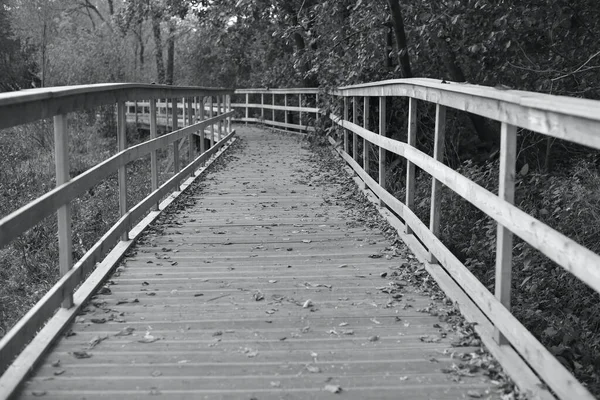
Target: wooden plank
point(504, 239)
point(278, 91)
point(410, 167)
point(564, 251)
point(21, 367)
point(175, 117)
point(346, 141)
point(303, 109)
point(122, 171)
point(190, 121)
point(366, 144)
point(277, 123)
point(300, 106)
point(554, 374)
point(65, 244)
point(435, 214)
point(212, 126)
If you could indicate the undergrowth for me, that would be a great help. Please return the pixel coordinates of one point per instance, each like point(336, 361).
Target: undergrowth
point(30, 262)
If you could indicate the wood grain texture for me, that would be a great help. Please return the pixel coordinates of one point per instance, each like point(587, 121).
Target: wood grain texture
point(221, 287)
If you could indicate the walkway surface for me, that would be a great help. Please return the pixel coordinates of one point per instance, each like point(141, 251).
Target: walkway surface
point(263, 284)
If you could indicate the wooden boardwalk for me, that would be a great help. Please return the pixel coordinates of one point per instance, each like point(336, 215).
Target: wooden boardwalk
point(265, 286)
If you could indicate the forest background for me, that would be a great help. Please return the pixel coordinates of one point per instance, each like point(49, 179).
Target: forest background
point(548, 46)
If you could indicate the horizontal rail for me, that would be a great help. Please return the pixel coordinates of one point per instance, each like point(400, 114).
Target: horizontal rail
point(276, 107)
point(278, 91)
point(17, 108)
point(567, 118)
point(29, 215)
point(577, 122)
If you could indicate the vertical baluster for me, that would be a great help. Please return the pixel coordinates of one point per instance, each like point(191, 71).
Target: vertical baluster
point(366, 145)
point(504, 238)
point(122, 173)
point(153, 154)
point(212, 125)
point(65, 246)
point(436, 186)
point(219, 113)
point(346, 142)
point(175, 116)
point(355, 121)
point(273, 109)
point(191, 144)
point(300, 112)
point(410, 167)
point(247, 108)
point(262, 108)
point(317, 106)
point(202, 132)
point(285, 103)
point(382, 152)
point(228, 110)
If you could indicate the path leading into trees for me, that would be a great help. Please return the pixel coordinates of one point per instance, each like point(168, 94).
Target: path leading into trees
point(264, 283)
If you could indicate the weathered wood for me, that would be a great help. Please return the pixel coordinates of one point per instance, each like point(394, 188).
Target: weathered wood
point(410, 167)
point(190, 121)
point(262, 106)
point(22, 366)
point(354, 135)
point(175, 117)
point(212, 126)
point(229, 344)
point(153, 153)
point(568, 118)
point(300, 107)
point(435, 214)
point(272, 109)
point(285, 112)
point(61, 160)
point(382, 154)
point(122, 172)
point(366, 144)
point(544, 364)
point(246, 105)
point(504, 239)
point(30, 105)
point(303, 109)
point(281, 124)
point(346, 142)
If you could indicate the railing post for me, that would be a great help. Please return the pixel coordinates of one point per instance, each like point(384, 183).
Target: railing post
point(355, 121)
point(382, 152)
point(262, 108)
point(410, 167)
point(346, 144)
point(191, 144)
point(175, 116)
point(212, 125)
point(504, 237)
point(65, 243)
point(273, 109)
point(153, 154)
point(285, 103)
point(436, 186)
point(228, 110)
point(300, 112)
point(219, 113)
point(202, 132)
point(366, 145)
point(247, 108)
point(122, 173)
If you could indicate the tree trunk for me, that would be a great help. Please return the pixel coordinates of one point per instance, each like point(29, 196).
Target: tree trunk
point(170, 53)
point(160, 66)
point(398, 26)
point(389, 45)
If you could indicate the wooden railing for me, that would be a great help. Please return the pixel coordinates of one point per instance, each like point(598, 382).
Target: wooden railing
point(306, 111)
point(31, 105)
point(574, 120)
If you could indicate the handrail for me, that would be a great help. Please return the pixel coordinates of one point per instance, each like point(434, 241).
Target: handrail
point(31, 105)
point(303, 125)
point(571, 119)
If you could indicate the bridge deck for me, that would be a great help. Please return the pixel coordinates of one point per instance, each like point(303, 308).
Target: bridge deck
point(265, 285)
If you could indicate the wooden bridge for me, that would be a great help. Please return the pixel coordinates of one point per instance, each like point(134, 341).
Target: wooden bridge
point(256, 271)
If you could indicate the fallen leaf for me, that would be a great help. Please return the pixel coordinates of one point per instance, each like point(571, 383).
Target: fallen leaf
point(156, 373)
point(403, 378)
point(98, 320)
point(127, 331)
point(373, 338)
point(56, 363)
point(342, 266)
point(276, 384)
point(81, 354)
point(347, 332)
point(375, 321)
point(148, 338)
point(474, 394)
point(59, 372)
point(272, 280)
point(306, 241)
point(313, 369)
point(38, 393)
point(344, 324)
point(96, 340)
point(258, 296)
point(305, 329)
point(333, 388)
point(307, 304)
